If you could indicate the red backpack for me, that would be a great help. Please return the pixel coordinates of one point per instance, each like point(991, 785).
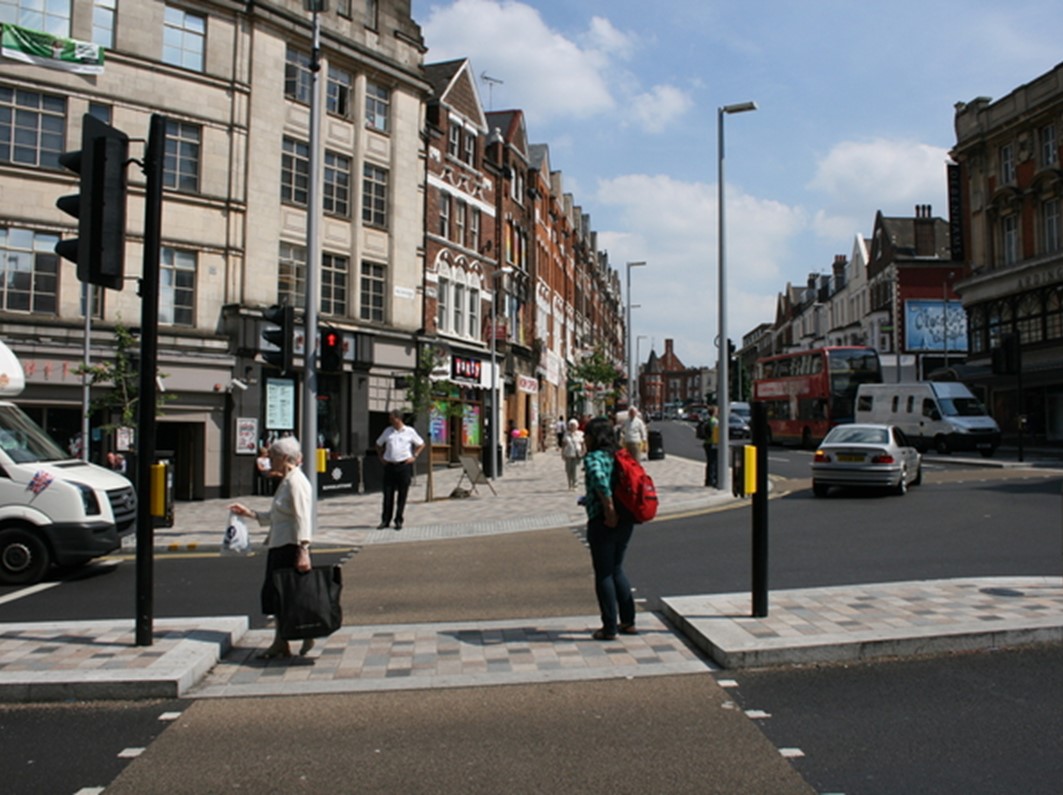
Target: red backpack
point(634, 489)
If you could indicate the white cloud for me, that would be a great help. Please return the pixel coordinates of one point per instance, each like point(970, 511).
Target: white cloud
point(658, 108)
point(543, 72)
point(604, 37)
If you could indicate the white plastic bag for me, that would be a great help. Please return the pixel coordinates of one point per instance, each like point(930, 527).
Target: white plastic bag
point(237, 541)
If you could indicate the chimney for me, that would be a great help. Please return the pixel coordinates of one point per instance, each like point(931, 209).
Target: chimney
point(840, 262)
point(668, 349)
point(925, 244)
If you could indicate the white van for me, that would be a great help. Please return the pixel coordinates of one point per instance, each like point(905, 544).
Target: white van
point(939, 414)
point(53, 509)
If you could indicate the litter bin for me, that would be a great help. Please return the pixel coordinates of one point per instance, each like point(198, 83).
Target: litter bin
point(656, 452)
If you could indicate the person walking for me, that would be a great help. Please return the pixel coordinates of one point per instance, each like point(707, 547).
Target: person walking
point(633, 432)
point(572, 450)
point(289, 519)
point(709, 431)
point(560, 427)
point(398, 447)
point(609, 529)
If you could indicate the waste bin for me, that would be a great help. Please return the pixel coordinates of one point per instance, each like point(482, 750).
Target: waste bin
point(656, 452)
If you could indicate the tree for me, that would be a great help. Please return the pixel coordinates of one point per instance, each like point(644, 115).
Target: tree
point(422, 392)
point(597, 369)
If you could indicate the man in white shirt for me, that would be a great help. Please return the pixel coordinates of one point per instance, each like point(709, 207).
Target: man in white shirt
point(633, 432)
point(398, 447)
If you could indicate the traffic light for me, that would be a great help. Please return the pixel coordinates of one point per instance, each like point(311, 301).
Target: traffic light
point(99, 205)
point(331, 350)
point(282, 337)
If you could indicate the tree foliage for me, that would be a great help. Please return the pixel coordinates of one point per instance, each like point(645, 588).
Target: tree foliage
point(122, 375)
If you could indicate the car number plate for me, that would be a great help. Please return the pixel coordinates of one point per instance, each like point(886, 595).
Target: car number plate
point(850, 458)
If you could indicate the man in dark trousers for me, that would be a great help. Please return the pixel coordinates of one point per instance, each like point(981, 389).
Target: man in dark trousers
point(398, 447)
point(709, 433)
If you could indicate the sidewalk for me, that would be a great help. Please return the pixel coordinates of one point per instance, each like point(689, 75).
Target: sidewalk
point(214, 657)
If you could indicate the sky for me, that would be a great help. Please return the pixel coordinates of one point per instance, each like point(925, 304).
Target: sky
point(855, 115)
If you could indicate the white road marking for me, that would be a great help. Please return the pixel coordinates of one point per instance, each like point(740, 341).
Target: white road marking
point(130, 753)
point(727, 682)
point(41, 586)
point(757, 714)
point(792, 753)
point(170, 716)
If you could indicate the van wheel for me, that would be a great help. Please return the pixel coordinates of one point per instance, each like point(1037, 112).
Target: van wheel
point(941, 444)
point(24, 557)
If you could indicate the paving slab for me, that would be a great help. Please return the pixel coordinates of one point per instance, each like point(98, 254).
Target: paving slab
point(861, 622)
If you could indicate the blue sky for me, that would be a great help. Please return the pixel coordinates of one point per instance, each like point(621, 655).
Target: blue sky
point(855, 115)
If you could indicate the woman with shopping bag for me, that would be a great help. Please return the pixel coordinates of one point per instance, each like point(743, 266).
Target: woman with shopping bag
point(289, 520)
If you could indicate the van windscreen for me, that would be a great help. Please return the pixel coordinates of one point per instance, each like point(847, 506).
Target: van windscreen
point(961, 407)
point(23, 440)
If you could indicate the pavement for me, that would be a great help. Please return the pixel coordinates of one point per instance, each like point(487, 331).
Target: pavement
point(529, 508)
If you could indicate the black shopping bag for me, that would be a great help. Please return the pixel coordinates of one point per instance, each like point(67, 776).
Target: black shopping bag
point(309, 602)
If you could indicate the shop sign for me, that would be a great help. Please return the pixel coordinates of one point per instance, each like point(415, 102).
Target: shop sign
point(527, 384)
point(465, 369)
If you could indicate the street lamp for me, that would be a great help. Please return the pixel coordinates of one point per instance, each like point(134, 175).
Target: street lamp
point(496, 418)
point(723, 399)
point(627, 351)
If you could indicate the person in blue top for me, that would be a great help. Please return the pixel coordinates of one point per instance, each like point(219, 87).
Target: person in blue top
point(609, 529)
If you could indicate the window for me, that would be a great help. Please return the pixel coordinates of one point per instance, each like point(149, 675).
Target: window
point(338, 92)
point(474, 229)
point(1049, 149)
point(29, 271)
point(101, 111)
point(454, 140)
point(1054, 314)
point(1007, 164)
point(337, 193)
point(1028, 318)
point(470, 148)
point(343, 8)
point(375, 195)
point(460, 213)
point(291, 275)
point(443, 304)
point(1050, 236)
point(374, 281)
point(32, 127)
point(103, 23)
point(372, 14)
point(295, 172)
point(297, 75)
point(334, 279)
point(474, 312)
point(458, 304)
point(377, 106)
point(180, 168)
point(444, 214)
point(183, 36)
point(177, 287)
point(1010, 240)
point(52, 17)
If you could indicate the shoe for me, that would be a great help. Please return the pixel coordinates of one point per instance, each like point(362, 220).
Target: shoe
point(308, 644)
point(398, 525)
point(275, 653)
point(628, 629)
point(382, 526)
point(601, 634)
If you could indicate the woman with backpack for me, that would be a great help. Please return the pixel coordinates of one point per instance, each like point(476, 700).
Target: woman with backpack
point(609, 529)
point(572, 451)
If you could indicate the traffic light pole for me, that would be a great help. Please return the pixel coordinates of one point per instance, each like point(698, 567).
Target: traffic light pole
point(149, 354)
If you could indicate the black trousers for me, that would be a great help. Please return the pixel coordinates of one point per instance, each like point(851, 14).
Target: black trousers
point(397, 479)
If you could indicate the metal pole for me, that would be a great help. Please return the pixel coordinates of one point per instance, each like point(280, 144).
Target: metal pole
point(627, 343)
point(492, 457)
point(149, 338)
point(759, 417)
point(86, 397)
point(313, 263)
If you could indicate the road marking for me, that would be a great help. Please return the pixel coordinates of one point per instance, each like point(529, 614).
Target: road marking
point(727, 682)
point(170, 716)
point(89, 791)
point(130, 753)
point(792, 753)
point(757, 714)
point(42, 586)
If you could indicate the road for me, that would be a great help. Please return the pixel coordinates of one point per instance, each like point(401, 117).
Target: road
point(958, 723)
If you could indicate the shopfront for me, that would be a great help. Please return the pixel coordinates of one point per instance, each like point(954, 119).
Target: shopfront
point(456, 415)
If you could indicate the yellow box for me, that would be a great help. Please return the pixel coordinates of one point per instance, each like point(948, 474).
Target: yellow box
point(322, 459)
point(749, 468)
point(158, 490)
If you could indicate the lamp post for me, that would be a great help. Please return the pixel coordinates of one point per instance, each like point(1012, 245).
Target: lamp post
point(638, 360)
point(627, 351)
point(496, 416)
point(723, 399)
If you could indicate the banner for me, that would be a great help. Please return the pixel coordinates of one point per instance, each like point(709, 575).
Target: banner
point(43, 49)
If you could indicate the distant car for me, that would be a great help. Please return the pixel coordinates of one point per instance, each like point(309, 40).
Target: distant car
point(738, 427)
point(742, 409)
point(866, 455)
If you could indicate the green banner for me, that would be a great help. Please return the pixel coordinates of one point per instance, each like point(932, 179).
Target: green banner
point(32, 46)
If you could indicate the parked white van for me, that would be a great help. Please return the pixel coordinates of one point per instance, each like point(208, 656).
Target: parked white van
point(939, 414)
point(53, 509)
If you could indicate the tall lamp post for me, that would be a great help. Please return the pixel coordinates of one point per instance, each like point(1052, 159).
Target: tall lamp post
point(630, 378)
point(723, 399)
point(496, 416)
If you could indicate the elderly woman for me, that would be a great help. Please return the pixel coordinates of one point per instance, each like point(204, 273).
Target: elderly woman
point(289, 520)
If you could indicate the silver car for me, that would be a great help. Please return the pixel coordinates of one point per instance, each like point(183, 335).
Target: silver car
point(866, 455)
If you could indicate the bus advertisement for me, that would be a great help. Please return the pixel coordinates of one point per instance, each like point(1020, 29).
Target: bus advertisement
point(806, 393)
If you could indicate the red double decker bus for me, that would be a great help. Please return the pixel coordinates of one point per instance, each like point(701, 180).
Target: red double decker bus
point(809, 392)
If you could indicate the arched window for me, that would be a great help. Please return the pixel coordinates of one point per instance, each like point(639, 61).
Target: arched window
point(976, 329)
point(1028, 320)
point(1054, 314)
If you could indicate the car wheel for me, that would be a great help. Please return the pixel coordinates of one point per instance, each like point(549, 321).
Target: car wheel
point(902, 487)
point(24, 557)
point(918, 479)
point(941, 444)
point(820, 489)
